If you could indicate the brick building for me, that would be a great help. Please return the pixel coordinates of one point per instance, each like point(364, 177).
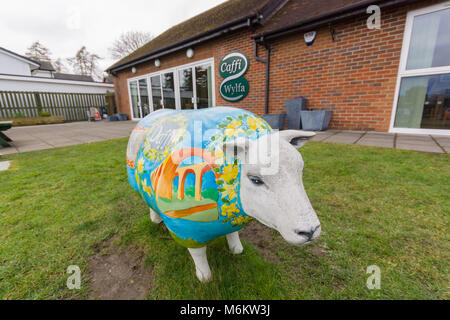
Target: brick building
point(394, 78)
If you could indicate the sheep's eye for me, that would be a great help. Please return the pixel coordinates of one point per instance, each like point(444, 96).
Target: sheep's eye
point(256, 180)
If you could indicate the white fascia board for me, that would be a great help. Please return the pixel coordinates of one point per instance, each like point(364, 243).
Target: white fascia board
point(58, 81)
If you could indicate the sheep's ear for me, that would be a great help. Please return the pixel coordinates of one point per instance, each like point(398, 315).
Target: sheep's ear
point(237, 149)
point(296, 137)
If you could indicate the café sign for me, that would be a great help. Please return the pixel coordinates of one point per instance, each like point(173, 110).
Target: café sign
point(232, 69)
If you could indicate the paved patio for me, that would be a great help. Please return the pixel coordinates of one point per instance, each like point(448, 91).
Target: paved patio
point(424, 143)
point(61, 135)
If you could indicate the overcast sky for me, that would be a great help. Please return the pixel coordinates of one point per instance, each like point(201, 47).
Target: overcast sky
point(65, 26)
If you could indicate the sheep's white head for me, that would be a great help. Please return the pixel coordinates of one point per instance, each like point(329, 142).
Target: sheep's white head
point(271, 189)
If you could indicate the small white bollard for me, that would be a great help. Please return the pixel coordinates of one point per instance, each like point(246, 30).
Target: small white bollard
point(4, 165)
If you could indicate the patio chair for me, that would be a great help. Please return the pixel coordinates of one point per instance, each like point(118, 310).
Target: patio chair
point(91, 114)
point(4, 139)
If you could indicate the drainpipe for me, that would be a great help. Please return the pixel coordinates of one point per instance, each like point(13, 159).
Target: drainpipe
point(267, 62)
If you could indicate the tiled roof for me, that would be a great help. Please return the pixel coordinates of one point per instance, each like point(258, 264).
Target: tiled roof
point(46, 66)
point(298, 10)
point(73, 77)
point(279, 14)
point(227, 12)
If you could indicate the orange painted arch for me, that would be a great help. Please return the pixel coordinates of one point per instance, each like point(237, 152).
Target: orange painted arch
point(163, 176)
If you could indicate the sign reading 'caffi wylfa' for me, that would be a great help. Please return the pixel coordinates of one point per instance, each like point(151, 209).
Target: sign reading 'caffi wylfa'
point(232, 69)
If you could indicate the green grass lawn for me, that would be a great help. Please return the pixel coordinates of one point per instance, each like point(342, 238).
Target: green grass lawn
point(381, 207)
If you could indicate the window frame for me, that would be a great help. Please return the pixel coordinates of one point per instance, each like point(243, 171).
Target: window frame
point(404, 73)
point(175, 70)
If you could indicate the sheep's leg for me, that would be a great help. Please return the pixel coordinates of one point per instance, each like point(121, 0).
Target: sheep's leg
point(234, 243)
point(201, 264)
point(155, 217)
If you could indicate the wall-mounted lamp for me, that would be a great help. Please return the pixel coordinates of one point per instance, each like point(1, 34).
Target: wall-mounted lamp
point(190, 53)
point(157, 63)
point(133, 70)
point(310, 37)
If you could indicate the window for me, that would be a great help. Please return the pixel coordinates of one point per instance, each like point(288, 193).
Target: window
point(185, 87)
point(168, 90)
point(156, 91)
point(430, 43)
point(143, 98)
point(134, 100)
point(423, 98)
point(204, 86)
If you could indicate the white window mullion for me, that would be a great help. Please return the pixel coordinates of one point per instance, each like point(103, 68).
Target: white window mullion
point(150, 93)
point(176, 87)
point(162, 90)
point(194, 87)
point(139, 99)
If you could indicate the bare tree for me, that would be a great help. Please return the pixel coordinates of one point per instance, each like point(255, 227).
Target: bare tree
point(60, 66)
point(129, 42)
point(86, 63)
point(38, 52)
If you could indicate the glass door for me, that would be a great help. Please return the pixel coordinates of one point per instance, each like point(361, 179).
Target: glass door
point(186, 82)
point(183, 88)
point(168, 89)
point(203, 86)
point(156, 92)
point(195, 85)
point(144, 102)
point(134, 95)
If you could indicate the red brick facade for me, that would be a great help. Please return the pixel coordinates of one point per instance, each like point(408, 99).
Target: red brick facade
point(355, 75)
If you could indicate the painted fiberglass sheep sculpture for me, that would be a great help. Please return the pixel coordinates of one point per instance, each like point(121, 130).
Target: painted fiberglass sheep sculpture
point(207, 173)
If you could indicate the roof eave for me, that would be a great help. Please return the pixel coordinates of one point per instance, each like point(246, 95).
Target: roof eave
point(257, 17)
point(31, 61)
point(331, 17)
point(208, 35)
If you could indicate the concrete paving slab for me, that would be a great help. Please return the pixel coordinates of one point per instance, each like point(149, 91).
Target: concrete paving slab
point(88, 139)
point(417, 147)
point(413, 138)
point(418, 142)
point(344, 137)
point(320, 136)
point(27, 142)
point(371, 135)
point(62, 142)
point(34, 147)
point(443, 141)
point(376, 143)
point(6, 151)
point(409, 140)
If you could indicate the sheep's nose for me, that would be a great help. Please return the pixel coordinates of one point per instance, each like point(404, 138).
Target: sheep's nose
point(307, 234)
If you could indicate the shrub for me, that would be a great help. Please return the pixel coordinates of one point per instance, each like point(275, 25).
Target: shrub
point(44, 114)
point(19, 115)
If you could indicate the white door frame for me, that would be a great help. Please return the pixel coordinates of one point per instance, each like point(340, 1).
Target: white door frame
point(403, 73)
point(175, 70)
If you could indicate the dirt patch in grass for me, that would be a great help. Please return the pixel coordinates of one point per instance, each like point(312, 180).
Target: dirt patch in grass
point(269, 242)
point(318, 252)
point(261, 236)
point(118, 273)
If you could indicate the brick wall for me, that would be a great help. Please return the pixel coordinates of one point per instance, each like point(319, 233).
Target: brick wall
point(355, 76)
